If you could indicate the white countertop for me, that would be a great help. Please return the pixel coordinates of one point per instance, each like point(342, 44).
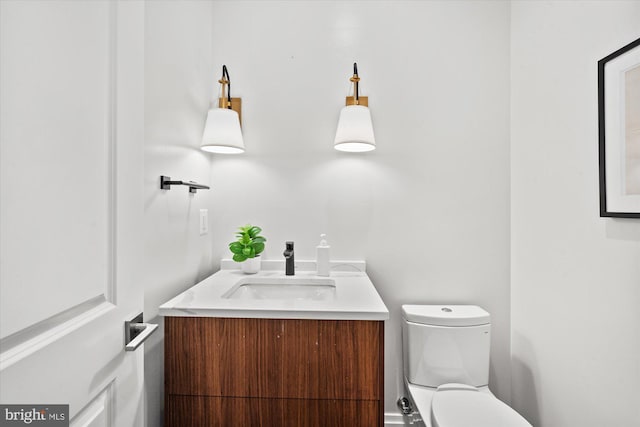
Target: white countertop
point(355, 297)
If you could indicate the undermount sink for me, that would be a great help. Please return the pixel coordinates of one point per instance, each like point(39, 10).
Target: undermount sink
point(283, 288)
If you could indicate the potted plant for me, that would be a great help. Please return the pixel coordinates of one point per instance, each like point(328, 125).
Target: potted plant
point(248, 247)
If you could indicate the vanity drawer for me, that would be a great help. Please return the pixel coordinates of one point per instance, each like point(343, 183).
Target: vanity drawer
point(315, 359)
point(199, 411)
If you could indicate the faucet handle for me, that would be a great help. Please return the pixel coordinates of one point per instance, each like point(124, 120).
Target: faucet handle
point(289, 246)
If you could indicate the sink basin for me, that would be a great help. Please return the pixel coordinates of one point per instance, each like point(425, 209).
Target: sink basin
point(285, 288)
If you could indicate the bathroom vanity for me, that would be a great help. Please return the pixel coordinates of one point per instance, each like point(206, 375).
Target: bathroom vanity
point(276, 350)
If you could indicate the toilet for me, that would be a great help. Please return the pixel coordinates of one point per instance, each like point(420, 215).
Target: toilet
point(446, 367)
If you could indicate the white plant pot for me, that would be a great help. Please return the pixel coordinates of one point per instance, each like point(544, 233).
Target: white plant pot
point(251, 265)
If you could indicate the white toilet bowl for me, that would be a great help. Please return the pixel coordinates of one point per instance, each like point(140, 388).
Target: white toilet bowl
point(446, 366)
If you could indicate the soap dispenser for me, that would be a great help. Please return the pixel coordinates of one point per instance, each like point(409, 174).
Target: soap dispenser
point(322, 256)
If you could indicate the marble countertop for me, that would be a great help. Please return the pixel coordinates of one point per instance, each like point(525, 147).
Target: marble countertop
point(353, 298)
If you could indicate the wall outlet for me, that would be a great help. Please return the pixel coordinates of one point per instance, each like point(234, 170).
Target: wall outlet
point(204, 221)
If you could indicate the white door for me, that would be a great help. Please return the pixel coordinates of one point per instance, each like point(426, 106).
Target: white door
point(71, 134)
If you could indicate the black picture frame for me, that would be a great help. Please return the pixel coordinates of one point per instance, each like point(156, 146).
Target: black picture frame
point(606, 210)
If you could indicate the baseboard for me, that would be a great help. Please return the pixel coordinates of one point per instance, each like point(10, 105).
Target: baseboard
point(393, 419)
point(397, 419)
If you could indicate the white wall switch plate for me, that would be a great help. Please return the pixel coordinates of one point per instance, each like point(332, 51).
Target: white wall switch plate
point(204, 221)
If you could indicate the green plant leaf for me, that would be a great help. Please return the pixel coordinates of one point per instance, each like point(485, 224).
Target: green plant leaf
point(246, 251)
point(239, 258)
point(236, 247)
point(245, 240)
point(259, 239)
point(254, 231)
point(258, 247)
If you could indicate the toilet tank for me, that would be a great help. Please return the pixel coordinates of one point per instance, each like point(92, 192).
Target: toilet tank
point(446, 344)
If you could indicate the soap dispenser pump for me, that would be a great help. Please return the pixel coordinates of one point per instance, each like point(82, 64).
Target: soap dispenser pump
point(322, 256)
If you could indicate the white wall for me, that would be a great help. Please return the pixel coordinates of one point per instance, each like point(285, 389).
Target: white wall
point(575, 276)
point(179, 85)
point(429, 209)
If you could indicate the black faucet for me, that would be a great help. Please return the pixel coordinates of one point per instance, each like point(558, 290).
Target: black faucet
point(289, 259)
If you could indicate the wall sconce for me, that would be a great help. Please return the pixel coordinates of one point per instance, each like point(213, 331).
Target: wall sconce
point(355, 130)
point(222, 133)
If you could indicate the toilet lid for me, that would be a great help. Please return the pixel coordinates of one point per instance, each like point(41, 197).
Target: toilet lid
point(464, 408)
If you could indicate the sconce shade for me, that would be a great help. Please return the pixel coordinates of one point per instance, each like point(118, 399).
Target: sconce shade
point(222, 133)
point(355, 130)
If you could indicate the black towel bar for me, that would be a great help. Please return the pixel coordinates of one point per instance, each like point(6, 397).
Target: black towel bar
point(166, 183)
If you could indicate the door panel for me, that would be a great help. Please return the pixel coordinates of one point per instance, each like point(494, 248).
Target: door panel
point(71, 130)
point(57, 108)
point(96, 413)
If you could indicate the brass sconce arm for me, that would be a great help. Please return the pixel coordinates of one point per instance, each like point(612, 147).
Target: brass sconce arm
point(356, 99)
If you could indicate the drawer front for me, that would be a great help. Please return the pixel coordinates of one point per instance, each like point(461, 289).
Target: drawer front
point(194, 411)
point(272, 358)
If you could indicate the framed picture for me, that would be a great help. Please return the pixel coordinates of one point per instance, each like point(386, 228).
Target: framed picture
point(619, 132)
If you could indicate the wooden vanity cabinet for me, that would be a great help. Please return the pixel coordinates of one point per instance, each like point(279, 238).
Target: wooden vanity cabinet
point(273, 372)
